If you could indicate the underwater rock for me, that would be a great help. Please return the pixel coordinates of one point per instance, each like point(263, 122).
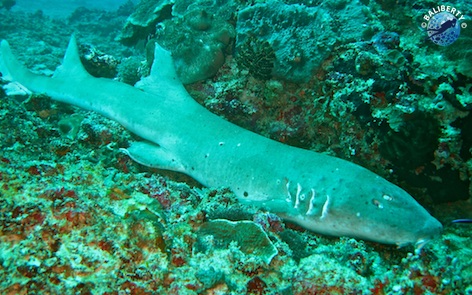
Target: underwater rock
point(130, 70)
point(7, 4)
point(142, 22)
point(461, 53)
point(257, 57)
point(97, 63)
point(251, 239)
point(290, 30)
point(296, 243)
point(198, 42)
point(222, 9)
point(367, 63)
point(209, 277)
point(70, 126)
point(197, 33)
point(414, 143)
point(302, 37)
point(256, 286)
point(384, 41)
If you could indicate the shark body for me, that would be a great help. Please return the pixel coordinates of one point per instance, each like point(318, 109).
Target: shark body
point(324, 194)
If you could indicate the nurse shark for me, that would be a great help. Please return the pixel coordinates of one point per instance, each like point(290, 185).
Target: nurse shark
point(321, 193)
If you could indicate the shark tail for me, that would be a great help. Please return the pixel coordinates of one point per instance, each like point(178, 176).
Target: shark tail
point(23, 81)
point(10, 68)
point(13, 72)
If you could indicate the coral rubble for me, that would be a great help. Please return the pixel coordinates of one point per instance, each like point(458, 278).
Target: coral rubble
point(353, 79)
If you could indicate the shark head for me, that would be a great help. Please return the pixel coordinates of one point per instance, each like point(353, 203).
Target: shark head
point(389, 214)
point(356, 202)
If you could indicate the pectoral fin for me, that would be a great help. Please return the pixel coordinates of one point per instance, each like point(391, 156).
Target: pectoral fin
point(154, 156)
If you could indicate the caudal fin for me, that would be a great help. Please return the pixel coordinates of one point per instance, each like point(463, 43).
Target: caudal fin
point(13, 71)
point(23, 81)
point(10, 67)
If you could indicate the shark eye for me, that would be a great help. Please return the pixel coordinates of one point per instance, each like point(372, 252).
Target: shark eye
point(387, 198)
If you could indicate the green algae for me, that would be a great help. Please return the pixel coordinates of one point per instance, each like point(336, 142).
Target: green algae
point(248, 236)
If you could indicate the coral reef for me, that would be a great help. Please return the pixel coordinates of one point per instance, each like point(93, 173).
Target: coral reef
point(197, 34)
point(77, 216)
point(299, 49)
point(301, 36)
point(7, 4)
point(142, 22)
point(131, 69)
point(97, 63)
point(198, 43)
point(250, 238)
point(257, 57)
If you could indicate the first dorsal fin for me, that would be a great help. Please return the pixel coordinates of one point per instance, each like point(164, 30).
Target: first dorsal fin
point(163, 73)
point(163, 65)
point(71, 65)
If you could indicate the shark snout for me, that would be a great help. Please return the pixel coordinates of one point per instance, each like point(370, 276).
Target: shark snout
point(432, 229)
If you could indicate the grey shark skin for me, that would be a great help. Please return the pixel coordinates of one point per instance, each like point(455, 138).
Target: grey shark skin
point(321, 193)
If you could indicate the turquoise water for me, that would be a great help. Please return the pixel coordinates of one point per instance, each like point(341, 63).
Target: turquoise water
point(57, 8)
point(356, 80)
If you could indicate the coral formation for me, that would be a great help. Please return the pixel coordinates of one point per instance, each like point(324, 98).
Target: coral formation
point(197, 34)
point(7, 4)
point(198, 43)
point(142, 22)
point(77, 216)
point(248, 236)
point(131, 69)
point(301, 36)
point(97, 63)
point(289, 29)
point(257, 57)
